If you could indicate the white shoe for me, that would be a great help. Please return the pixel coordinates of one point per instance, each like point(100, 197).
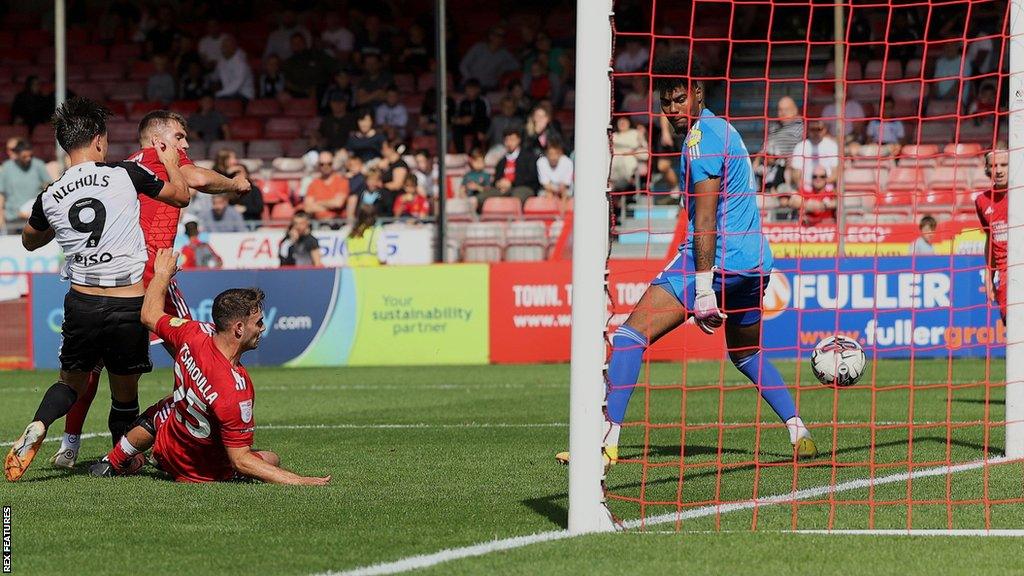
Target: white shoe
point(66, 458)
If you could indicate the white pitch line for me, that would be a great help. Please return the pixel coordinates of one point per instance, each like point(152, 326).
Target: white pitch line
point(955, 532)
point(484, 548)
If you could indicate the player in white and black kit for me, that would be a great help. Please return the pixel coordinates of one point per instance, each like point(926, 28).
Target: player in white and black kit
point(93, 212)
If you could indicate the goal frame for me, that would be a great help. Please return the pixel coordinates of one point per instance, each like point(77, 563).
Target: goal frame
point(594, 41)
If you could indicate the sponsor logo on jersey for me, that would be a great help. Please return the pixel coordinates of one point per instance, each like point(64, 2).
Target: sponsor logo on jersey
point(693, 138)
point(246, 407)
point(178, 322)
point(91, 259)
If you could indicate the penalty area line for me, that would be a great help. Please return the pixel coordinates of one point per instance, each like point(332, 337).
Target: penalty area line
point(499, 545)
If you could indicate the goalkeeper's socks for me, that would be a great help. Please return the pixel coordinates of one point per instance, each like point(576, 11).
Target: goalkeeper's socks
point(628, 348)
point(75, 419)
point(121, 453)
point(769, 382)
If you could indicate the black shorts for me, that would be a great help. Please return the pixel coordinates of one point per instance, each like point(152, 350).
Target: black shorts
point(104, 328)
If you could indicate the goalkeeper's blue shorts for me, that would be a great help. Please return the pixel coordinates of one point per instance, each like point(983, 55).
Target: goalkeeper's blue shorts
point(739, 296)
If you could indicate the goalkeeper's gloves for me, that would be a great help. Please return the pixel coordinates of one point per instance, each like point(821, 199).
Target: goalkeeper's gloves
point(705, 306)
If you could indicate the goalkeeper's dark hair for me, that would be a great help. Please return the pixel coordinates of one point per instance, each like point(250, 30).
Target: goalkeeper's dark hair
point(236, 304)
point(676, 69)
point(77, 121)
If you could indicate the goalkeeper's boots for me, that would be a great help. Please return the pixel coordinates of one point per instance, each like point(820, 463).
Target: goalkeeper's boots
point(66, 458)
point(24, 451)
point(805, 448)
point(610, 455)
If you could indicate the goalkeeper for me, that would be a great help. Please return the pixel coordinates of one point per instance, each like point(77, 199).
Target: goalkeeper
point(722, 268)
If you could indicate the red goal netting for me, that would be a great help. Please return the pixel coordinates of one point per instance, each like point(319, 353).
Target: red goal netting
point(871, 212)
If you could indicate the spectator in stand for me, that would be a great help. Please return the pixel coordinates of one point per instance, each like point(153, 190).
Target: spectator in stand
point(889, 135)
point(160, 85)
point(516, 174)
point(271, 83)
point(904, 37)
point(393, 167)
point(981, 50)
point(818, 201)
point(160, 38)
point(221, 217)
point(279, 43)
point(373, 39)
point(208, 124)
point(924, 245)
point(225, 161)
point(392, 116)
point(523, 103)
point(488, 61)
point(335, 128)
point(415, 56)
point(209, 44)
point(472, 117)
point(629, 145)
point(12, 146)
point(362, 245)
point(371, 89)
point(366, 141)
point(337, 40)
point(356, 177)
point(299, 247)
point(428, 114)
point(819, 149)
point(233, 72)
point(308, 69)
point(22, 178)
point(783, 135)
point(542, 50)
point(540, 83)
point(540, 129)
point(412, 201)
point(637, 100)
point(554, 171)
point(185, 54)
point(196, 253)
point(341, 86)
point(855, 132)
point(477, 179)
point(505, 119)
point(250, 204)
point(425, 171)
point(31, 107)
point(327, 194)
point(983, 107)
point(634, 57)
point(194, 84)
point(375, 195)
point(952, 66)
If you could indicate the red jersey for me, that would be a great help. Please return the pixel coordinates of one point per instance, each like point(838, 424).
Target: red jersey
point(418, 206)
point(992, 214)
point(159, 221)
point(213, 406)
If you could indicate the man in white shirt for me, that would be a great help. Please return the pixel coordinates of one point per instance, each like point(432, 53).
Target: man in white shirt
point(819, 149)
point(233, 72)
point(853, 114)
point(338, 40)
point(391, 115)
point(209, 45)
point(280, 40)
point(953, 67)
point(554, 170)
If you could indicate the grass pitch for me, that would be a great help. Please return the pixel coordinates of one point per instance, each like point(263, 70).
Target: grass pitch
point(426, 459)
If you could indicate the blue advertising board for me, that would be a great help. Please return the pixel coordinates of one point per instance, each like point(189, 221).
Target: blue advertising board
point(932, 306)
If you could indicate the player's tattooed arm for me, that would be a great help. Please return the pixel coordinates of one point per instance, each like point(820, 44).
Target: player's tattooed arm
point(705, 223)
point(210, 182)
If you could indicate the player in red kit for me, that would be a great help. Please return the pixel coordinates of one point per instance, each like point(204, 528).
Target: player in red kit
point(159, 226)
point(992, 212)
point(204, 431)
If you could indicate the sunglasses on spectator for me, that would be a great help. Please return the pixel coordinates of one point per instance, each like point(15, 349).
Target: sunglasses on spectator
point(327, 163)
point(819, 177)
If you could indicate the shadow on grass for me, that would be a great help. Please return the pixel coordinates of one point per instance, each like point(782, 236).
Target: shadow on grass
point(554, 507)
point(980, 401)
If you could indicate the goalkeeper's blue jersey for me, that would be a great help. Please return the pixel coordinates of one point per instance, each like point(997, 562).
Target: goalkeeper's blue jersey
point(714, 149)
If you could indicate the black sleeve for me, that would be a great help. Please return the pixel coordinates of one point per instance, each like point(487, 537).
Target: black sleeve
point(311, 243)
point(38, 218)
point(145, 182)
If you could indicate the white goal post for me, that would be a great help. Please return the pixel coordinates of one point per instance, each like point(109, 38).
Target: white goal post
point(1015, 257)
point(587, 512)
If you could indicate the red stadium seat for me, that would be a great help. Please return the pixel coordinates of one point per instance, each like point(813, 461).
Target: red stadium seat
point(141, 70)
point(950, 177)
point(125, 91)
point(283, 129)
point(246, 129)
point(962, 154)
point(140, 109)
point(87, 54)
point(118, 110)
point(909, 178)
point(125, 52)
point(918, 155)
point(936, 199)
point(896, 198)
point(542, 208)
point(265, 149)
point(11, 131)
point(229, 107)
point(301, 108)
point(43, 134)
point(122, 132)
point(275, 191)
point(282, 211)
point(501, 208)
point(263, 107)
point(34, 38)
point(105, 71)
point(185, 107)
point(458, 210)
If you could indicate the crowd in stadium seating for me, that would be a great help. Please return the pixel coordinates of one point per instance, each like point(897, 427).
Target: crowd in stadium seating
point(327, 111)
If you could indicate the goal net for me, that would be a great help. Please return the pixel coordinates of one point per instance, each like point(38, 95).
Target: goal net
point(868, 150)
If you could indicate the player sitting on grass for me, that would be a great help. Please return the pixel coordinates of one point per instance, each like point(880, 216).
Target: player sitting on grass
point(204, 431)
point(723, 264)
